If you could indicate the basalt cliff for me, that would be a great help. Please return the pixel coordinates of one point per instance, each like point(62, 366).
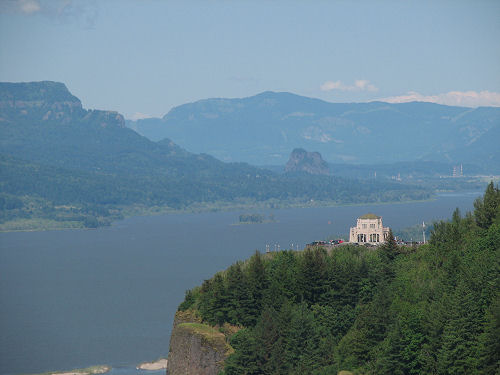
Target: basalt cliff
point(309, 162)
point(196, 348)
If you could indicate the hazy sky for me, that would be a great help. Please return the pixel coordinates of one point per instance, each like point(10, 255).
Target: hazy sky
point(142, 57)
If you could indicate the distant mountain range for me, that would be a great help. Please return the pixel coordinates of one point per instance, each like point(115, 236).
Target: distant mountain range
point(265, 128)
point(61, 162)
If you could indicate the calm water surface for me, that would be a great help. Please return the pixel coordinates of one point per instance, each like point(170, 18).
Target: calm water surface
point(71, 299)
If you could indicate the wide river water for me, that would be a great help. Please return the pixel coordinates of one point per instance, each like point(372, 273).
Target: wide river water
point(75, 298)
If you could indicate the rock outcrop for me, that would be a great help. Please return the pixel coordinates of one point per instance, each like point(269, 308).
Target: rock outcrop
point(49, 102)
point(309, 162)
point(196, 348)
point(38, 101)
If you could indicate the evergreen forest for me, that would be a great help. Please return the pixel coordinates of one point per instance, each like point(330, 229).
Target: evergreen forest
point(432, 309)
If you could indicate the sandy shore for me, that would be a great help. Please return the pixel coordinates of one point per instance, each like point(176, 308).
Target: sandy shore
point(157, 365)
point(85, 371)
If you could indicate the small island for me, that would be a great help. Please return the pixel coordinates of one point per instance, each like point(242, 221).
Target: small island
point(256, 219)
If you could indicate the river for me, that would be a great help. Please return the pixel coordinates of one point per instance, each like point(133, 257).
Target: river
point(75, 298)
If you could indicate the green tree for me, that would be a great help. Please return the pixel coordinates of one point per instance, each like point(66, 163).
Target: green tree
point(487, 208)
point(257, 284)
point(313, 274)
point(461, 330)
point(489, 343)
point(240, 301)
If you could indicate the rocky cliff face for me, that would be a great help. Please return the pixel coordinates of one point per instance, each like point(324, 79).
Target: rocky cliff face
point(195, 348)
point(47, 101)
point(309, 162)
point(39, 101)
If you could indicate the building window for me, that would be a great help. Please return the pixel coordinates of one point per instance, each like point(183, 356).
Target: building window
point(372, 226)
point(364, 226)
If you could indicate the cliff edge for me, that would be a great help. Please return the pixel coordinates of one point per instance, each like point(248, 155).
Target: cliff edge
point(309, 162)
point(196, 348)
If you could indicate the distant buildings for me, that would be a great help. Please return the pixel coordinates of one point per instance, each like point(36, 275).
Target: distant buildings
point(369, 229)
point(458, 171)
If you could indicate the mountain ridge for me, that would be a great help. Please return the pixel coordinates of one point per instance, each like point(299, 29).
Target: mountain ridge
point(263, 129)
point(55, 154)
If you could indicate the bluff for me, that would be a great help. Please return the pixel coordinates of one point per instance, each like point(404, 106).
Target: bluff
point(38, 101)
point(309, 162)
point(392, 309)
point(196, 348)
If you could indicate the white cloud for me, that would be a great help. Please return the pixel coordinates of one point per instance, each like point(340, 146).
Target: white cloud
point(364, 85)
point(29, 6)
point(330, 85)
point(456, 98)
point(139, 116)
point(83, 12)
point(20, 6)
point(359, 85)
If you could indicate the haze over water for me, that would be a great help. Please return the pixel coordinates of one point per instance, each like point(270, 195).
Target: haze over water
point(108, 296)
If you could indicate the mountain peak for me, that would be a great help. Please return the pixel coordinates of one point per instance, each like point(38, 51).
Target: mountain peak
point(38, 101)
point(309, 162)
point(48, 91)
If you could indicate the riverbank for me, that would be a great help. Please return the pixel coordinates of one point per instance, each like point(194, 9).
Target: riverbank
point(146, 368)
point(101, 324)
point(92, 370)
point(159, 364)
point(43, 224)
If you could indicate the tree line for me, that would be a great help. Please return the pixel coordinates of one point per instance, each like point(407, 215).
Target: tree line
point(392, 310)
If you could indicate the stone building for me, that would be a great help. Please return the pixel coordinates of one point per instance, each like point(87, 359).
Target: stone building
point(369, 229)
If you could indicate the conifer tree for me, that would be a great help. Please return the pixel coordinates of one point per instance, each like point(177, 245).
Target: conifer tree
point(487, 207)
point(239, 303)
point(390, 247)
point(461, 331)
point(489, 341)
point(257, 284)
point(314, 274)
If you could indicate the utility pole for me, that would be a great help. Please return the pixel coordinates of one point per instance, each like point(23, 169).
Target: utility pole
point(423, 230)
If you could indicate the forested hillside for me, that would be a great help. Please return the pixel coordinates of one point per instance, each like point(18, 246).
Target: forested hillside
point(434, 309)
point(66, 166)
point(264, 129)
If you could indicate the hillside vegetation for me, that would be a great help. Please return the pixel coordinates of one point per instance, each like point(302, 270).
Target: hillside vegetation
point(66, 166)
point(434, 309)
point(263, 129)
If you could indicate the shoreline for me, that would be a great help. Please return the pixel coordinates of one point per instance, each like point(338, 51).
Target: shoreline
point(145, 212)
point(91, 370)
point(159, 364)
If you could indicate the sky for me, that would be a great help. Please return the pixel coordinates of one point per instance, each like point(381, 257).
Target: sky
point(143, 57)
